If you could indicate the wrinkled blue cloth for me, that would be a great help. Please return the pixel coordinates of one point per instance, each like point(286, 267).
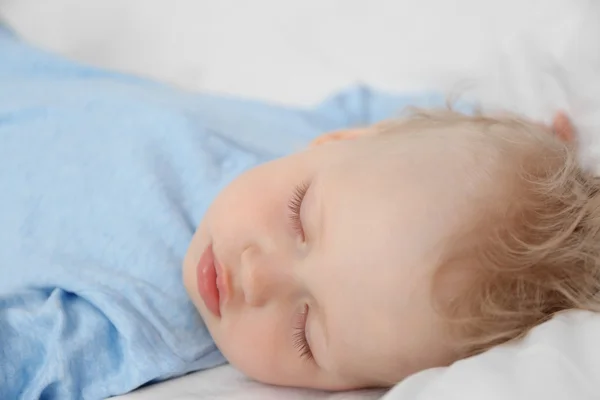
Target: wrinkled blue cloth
point(103, 179)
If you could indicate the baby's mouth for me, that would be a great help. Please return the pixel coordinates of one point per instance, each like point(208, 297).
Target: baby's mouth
point(212, 282)
point(222, 282)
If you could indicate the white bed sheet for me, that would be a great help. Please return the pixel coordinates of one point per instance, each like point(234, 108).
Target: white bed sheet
point(298, 52)
point(226, 383)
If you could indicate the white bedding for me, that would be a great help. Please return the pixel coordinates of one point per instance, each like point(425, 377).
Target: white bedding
point(297, 52)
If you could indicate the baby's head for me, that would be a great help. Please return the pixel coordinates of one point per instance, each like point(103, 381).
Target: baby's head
point(409, 245)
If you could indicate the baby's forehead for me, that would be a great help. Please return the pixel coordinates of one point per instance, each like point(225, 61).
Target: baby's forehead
point(417, 165)
point(401, 185)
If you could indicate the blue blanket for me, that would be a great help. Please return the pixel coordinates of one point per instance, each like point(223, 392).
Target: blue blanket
point(103, 179)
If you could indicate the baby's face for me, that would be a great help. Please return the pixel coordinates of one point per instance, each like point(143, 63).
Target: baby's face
point(323, 264)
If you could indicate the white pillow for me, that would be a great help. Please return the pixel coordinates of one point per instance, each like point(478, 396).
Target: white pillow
point(558, 360)
point(298, 51)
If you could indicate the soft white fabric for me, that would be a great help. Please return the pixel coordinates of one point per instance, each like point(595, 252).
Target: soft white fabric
point(532, 56)
point(298, 51)
point(558, 360)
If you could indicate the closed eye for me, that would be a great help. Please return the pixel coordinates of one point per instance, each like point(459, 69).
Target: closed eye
point(300, 340)
point(295, 206)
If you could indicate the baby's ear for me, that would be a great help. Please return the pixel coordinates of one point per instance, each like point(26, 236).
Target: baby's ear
point(346, 134)
point(562, 127)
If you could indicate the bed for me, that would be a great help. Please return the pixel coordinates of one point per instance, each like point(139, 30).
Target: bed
point(519, 55)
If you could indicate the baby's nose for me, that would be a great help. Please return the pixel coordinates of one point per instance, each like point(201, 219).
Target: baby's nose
point(263, 277)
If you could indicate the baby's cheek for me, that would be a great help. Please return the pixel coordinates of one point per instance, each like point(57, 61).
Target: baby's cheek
point(249, 340)
point(260, 344)
point(242, 210)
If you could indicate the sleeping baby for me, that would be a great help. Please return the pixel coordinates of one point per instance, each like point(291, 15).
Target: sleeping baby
point(380, 250)
point(394, 248)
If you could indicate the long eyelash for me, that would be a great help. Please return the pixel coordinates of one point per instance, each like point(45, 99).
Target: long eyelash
point(295, 205)
point(300, 341)
point(302, 345)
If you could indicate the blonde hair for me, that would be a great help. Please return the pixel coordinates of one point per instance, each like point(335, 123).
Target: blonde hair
point(532, 248)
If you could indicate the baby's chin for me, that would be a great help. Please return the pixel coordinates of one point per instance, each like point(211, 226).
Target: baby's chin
point(190, 261)
point(189, 282)
point(189, 276)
